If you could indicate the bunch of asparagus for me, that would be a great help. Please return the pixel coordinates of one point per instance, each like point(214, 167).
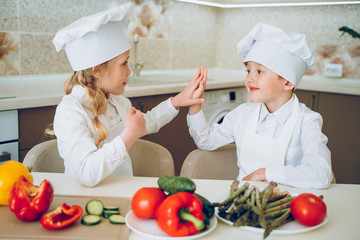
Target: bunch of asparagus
point(247, 206)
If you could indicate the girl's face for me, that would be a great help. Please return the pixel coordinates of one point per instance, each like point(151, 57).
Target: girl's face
point(115, 80)
point(266, 86)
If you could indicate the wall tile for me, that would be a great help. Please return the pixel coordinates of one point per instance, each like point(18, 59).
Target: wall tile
point(8, 15)
point(51, 15)
point(193, 54)
point(39, 56)
point(154, 53)
point(9, 53)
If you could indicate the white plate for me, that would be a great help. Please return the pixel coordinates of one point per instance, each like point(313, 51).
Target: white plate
point(289, 228)
point(149, 228)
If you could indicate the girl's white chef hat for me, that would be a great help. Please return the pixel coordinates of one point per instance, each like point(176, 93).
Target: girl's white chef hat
point(286, 53)
point(95, 39)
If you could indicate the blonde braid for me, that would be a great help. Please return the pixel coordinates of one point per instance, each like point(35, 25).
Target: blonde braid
point(97, 97)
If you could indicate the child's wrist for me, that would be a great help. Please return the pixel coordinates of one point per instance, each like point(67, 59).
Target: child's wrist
point(193, 109)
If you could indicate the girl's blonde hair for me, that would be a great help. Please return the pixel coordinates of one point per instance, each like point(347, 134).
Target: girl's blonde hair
point(97, 98)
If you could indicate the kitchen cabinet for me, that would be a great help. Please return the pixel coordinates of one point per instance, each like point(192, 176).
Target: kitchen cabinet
point(32, 125)
point(9, 135)
point(341, 117)
point(174, 136)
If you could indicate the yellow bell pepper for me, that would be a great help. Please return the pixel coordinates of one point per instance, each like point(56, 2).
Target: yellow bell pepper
point(10, 173)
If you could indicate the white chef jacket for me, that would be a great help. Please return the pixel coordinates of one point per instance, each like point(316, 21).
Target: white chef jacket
point(77, 136)
point(307, 161)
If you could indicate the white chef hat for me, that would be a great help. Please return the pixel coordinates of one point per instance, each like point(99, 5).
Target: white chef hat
point(286, 53)
point(95, 39)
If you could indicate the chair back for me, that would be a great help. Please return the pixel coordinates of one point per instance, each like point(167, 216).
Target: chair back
point(151, 159)
point(44, 157)
point(218, 164)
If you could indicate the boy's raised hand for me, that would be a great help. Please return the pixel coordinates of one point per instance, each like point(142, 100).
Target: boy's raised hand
point(192, 94)
point(135, 127)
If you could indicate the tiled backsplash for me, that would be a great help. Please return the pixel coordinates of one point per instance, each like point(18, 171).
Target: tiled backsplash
point(173, 35)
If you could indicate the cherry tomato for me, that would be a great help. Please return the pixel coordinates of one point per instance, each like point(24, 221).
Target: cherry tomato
point(308, 209)
point(146, 201)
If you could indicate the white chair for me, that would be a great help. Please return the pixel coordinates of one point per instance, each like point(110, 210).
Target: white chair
point(218, 164)
point(148, 159)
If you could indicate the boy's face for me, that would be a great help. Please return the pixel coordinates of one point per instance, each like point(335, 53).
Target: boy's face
point(115, 80)
point(265, 86)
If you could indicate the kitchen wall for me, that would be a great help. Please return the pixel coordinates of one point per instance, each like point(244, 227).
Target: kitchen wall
point(173, 35)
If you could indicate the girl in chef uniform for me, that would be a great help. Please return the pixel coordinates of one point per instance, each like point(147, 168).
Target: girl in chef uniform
point(94, 124)
point(277, 138)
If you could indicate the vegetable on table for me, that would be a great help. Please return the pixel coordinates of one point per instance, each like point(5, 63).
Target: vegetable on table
point(117, 219)
point(180, 214)
point(175, 184)
point(10, 173)
point(61, 217)
point(308, 209)
point(146, 201)
point(94, 207)
point(90, 220)
point(28, 201)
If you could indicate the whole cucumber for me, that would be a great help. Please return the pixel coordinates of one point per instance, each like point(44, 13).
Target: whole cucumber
point(175, 184)
point(208, 208)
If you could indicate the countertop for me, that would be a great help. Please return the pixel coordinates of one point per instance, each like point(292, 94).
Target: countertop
point(341, 201)
point(47, 90)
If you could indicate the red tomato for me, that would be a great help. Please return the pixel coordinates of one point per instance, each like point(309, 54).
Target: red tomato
point(146, 201)
point(308, 209)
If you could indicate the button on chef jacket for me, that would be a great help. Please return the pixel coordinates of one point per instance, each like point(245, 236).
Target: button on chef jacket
point(77, 137)
point(307, 161)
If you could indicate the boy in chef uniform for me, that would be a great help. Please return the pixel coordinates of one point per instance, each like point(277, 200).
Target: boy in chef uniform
point(277, 138)
point(94, 124)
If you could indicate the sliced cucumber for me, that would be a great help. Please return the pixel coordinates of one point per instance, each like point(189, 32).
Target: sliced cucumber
point(117, 219)
point(111, 208)
point(108, 213)
point(90, 220)
point(94, 207)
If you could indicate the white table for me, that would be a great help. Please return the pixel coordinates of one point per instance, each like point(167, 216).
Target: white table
point(341, 199)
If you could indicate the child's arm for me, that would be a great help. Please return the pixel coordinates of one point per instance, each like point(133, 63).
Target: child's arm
point(135, 127)
point(191, 95)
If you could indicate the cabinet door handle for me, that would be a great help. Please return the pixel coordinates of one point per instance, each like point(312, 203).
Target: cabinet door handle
point(140, 106)
point(5, 156)
point(312, 101)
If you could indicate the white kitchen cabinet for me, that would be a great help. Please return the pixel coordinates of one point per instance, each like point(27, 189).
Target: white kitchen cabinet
point(9, 135)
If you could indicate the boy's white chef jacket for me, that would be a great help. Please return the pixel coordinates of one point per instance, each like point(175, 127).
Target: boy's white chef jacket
point(307, 161)
point(77, 137)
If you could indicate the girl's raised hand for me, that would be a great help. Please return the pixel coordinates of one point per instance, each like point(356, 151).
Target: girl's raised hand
point(135, 127)
point(192, 94)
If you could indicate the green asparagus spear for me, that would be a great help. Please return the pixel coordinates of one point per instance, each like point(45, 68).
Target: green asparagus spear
point(279, 202)
point(234, 186)
point(232, 197)
point(281, 206)
point(267, 193)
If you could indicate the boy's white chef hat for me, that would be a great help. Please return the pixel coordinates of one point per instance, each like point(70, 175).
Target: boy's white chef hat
point(95, 39)
point(286, 53)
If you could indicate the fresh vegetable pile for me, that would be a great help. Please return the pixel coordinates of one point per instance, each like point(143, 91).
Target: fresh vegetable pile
point(177, 209)
point(269, 208)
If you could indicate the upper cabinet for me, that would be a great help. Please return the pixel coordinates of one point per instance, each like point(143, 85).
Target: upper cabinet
point(266, 3)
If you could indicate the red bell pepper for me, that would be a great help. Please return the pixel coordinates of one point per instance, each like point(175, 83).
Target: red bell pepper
point(61, 217)
point(180, 215)
point(28, 201)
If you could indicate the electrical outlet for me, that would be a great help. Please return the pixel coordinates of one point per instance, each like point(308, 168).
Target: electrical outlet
point(333, 70)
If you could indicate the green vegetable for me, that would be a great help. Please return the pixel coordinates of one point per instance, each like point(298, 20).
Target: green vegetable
point(117, 219)
point(90, 220)
point(108, 213)
point(94, 207)
point(175, 184)
point(111, 208)
point(208, 208)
